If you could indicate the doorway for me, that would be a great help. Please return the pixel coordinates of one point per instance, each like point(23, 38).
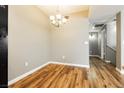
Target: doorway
point(102, 41)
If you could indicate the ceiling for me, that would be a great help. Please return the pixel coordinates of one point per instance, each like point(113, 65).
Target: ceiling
point(66, 9)
point(97, 13)
point(102, 13)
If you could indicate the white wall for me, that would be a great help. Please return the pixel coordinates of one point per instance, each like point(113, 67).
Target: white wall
point(111, 34)
point(102, 43)
point(69, 41)
point(28, 39)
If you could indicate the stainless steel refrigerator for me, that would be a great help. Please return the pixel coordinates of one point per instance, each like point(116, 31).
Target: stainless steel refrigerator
point(3, 46)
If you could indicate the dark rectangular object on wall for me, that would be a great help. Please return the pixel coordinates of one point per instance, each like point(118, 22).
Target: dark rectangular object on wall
point(3, 46)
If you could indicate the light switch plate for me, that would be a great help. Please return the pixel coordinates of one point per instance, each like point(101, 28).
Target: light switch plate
point(86, 42)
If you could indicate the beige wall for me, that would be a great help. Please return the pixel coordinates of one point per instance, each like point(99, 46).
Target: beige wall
point(28, 39)
point(68, 42)
point(33, 41)
point(122, 38)
point(118, 47)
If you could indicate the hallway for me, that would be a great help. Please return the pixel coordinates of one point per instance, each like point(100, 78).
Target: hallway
point(104, 74)
point(99, 75)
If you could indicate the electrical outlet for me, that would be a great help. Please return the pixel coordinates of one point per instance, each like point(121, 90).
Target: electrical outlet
point(26, 64)
point(63, 57)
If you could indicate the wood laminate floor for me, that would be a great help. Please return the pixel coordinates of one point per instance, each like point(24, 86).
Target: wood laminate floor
point(99, 75)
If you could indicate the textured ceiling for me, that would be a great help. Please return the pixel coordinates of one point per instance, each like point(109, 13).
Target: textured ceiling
point(96, 14)
point(52, 10)
point(103, 13)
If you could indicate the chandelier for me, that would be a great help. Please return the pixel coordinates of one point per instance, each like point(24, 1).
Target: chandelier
point(58, 19)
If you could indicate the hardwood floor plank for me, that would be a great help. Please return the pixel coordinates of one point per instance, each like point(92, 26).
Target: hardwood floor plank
point(99, 75)
point(53, 77)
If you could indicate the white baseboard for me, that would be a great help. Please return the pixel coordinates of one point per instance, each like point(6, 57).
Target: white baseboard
point(69, 64)
point(26, 74)
point(120, 71)
point(95, 56)
point(107, 61)
point(32, 71)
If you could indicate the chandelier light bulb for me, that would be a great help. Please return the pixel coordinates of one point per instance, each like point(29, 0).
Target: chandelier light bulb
point(64, 20)
point(53, 22)
point(58, 16)
point(60, 22)
point(52, 17)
